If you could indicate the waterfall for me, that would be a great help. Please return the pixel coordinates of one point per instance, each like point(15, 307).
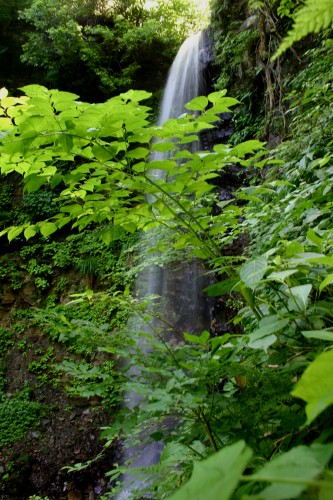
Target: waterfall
point(178, 285)
point(185, 80)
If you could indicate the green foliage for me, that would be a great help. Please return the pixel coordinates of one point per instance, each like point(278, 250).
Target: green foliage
point(17, 417)
point(92, 380)
point(117, 168)
point(217, 473)
point(40, 205)
point(290, 474)
point(238, 70)
point(6, 195)
point(205, 386)
point(44, 369)
point(311, 18)
point(286, 7)
point(315, 386)
point(5, 343)
point(5, 340)
point(231, 51)
point(98, 45)
point(10, 273)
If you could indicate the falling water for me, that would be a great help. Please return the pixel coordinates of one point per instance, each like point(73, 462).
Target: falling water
point(185, 80)
point(178, 285)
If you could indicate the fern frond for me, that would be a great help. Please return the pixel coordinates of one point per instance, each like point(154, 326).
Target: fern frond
point(312, 18)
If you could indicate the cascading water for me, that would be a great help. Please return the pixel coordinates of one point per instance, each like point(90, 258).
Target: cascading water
point(178, 285)
point(185, 80)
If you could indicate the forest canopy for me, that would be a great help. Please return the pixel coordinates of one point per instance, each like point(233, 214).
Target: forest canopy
point(99, 47)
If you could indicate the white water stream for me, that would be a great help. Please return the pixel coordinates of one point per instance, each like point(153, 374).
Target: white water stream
point(178, 286)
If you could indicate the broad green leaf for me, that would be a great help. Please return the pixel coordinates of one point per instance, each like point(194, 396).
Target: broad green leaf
point(299, 297)
point(248, 295)
point(197, 104)
point(218, 473)
point(129, 226)
point(217, 342)
point(30, 231)
point(63, 100)
point(34, 90)
point(318, 334)
point(253, 271)
point(259, 340)
point(316, 386)
point(173, 453)
point(301, 463)
point(327, 281)
point(34, 182)
point(138, 153)
point(221, 288)
point(326, 260)
point(8, 102)
point(136, 95)
point(224, 203)
point(241, 195)
point(264, 336)
point(247, 147)
point(216, 96)
point(66, 142)
point(47, 228)
point(281, 275)
point(5, 123)
point(14, 232)
point(314, 238)
point(188, 138)
point(293, 248)
point(112, 234)
point(197, 339)
point(163, 147)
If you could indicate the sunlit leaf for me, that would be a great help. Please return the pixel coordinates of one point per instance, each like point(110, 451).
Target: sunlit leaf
point(326, 282)
point(219, 473)
point(215, 96)
point(30, 231)
point(197, 104)
point(14, 232)
point(163, 147)
point(135, 95)
point(138, 153)
point(316, 386)
point(47, 228)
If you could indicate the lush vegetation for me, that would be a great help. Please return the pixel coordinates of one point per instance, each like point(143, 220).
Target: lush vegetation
point(96, 47)
point(250, 405)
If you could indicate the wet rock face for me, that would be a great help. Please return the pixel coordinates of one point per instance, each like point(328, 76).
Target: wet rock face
point(69, 433)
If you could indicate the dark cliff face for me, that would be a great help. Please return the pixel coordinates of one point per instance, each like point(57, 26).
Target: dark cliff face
point(242, 42)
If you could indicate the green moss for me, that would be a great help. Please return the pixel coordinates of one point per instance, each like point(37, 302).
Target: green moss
point(17, 417)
